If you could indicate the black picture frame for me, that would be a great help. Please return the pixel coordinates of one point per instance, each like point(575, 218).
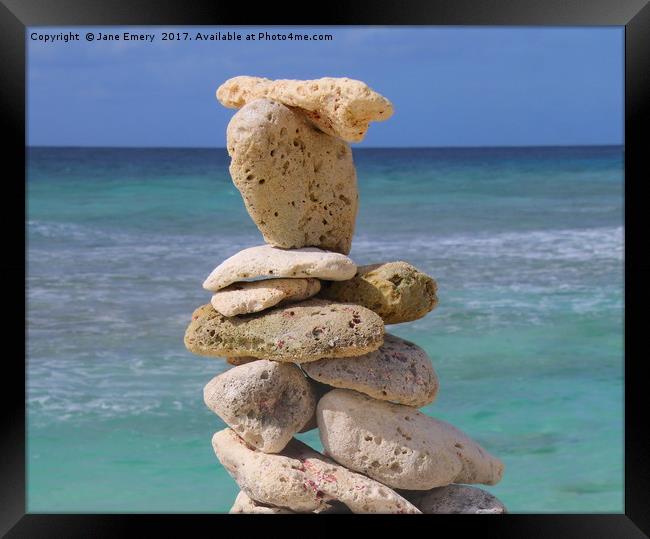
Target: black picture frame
point(16, 15)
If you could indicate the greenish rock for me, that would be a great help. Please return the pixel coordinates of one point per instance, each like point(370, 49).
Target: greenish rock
point(298, 333)
point(396, 291)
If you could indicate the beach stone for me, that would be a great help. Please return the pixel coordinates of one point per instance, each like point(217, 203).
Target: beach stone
point(338, 106)
point(265, 261)
point(396, 291)
point(265, 402)
point(400, 446)
point(398, 371)
point(455, 499)
point(299, 185)
point(302, 479)
point(245, 505)
point(252, 297)
point(298, 332)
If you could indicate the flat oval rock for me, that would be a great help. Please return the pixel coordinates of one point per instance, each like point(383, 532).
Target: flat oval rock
point(398, 445)
point(300, 332)
point(455, 499)
point(301, 479)
point(265, 402)
point(252, 297)
point(267, 262)
point(339, 106)
point(299, 185)
point(396, 291)
point(399, 371)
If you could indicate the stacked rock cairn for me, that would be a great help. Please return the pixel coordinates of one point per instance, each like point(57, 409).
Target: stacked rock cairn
point(303, 327)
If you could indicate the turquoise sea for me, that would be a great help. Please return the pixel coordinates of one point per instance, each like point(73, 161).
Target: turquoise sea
point(526, 245)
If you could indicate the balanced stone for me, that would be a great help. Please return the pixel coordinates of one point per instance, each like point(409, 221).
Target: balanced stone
point(339, 106)
point(458, 499)
point(400, 446)
point(399, 371)
point(252, 297)
point(245, 505)
point(265, 402)
point(302, 479)
point(299, 185)
point(299, 332)
point(396, 291)
point(265, 261)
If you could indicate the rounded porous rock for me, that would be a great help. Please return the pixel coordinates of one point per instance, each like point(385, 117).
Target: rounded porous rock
point(264, 402)
point(455, 499)
point(396, 291)
point(301, 479)
point(299, 185)
point(298, 333)
point(266, 261)
point(252, 297)
point(399, 371)
point(400, 446)
point(341, 107)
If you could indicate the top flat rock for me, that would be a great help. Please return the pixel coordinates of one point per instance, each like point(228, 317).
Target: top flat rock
point(265, 261)
point(337, 106)
point(301, 479)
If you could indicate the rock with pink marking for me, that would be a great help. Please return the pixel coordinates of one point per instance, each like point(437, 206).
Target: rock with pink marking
point(301, 479)
point(265, 402)
point(298, 332)
point(399, 371)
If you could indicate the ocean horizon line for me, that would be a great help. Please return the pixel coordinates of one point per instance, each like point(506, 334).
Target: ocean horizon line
point(495, 147)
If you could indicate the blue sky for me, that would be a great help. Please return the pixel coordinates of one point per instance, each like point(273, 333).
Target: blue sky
point(450, 86)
